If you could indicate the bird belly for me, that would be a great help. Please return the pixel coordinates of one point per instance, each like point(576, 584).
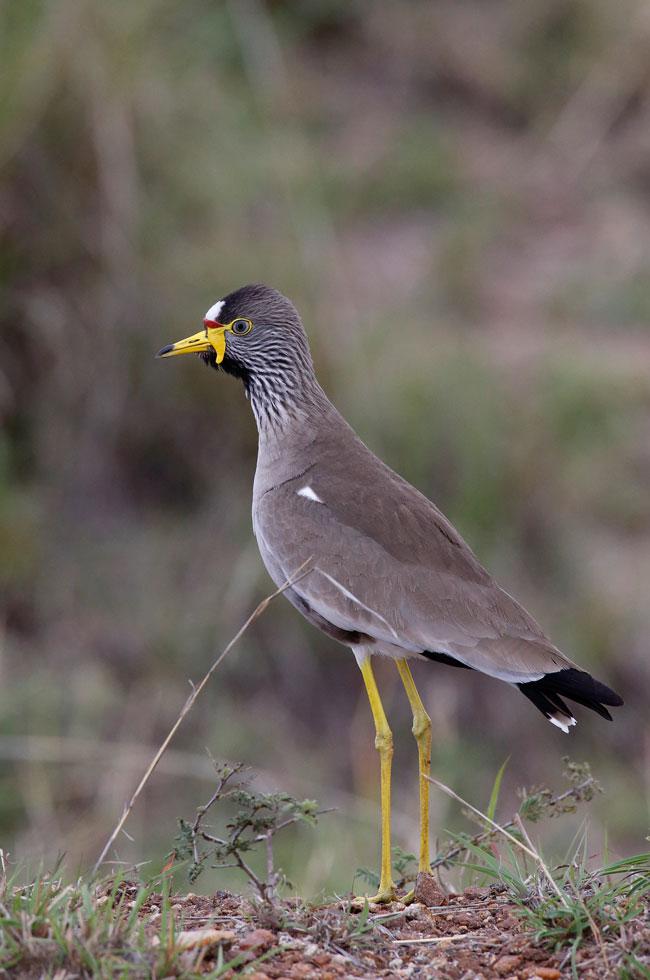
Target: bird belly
point(271, 563)
point(383, 648)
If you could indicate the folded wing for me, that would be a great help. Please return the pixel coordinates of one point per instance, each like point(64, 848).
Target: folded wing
point(388, 565)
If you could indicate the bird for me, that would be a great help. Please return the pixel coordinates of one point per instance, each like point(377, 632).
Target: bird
point(369, 559)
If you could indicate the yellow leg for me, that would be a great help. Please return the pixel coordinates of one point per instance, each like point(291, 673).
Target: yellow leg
point(384, 745)
point(422, 731)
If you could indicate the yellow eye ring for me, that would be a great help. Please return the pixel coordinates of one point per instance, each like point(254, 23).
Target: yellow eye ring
point(241, 326)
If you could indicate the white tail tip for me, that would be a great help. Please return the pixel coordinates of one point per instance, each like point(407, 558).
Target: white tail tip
point(561, 721)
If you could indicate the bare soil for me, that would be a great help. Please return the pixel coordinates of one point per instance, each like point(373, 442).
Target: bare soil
point(475, 934)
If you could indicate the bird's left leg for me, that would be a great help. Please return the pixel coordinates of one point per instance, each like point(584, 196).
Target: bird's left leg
point(422, 731)
point(384, 745)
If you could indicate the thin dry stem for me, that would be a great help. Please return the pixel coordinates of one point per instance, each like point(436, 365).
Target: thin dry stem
point(187, 707)
point(478, 839)
point(513, 840)
point(538, 857)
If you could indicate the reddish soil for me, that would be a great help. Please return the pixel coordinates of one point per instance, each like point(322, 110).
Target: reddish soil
point(469, 936)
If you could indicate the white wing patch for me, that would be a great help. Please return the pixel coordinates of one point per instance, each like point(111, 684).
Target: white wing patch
point(309, 494)
point(214, 311)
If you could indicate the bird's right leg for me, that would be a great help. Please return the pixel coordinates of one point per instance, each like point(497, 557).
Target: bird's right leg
point(384, 745)
point(422, 732)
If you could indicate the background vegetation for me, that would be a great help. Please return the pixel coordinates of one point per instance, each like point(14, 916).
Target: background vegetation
point(456, 195)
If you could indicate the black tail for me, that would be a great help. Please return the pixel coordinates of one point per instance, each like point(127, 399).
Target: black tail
point(576, 685)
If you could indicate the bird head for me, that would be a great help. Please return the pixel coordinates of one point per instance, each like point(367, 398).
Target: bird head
point(250, 332)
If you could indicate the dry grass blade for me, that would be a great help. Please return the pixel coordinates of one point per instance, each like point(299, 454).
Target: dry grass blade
point(531, 851)
point(574, 793)
point(187, 707)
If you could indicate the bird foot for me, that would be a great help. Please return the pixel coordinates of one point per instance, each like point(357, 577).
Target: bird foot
point(384, 896)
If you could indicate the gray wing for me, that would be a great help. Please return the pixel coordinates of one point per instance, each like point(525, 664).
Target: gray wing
point(388, 565)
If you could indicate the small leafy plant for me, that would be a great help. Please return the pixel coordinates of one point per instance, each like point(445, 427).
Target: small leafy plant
point(257, 819)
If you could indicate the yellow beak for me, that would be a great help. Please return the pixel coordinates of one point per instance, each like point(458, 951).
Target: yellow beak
point(210, 337)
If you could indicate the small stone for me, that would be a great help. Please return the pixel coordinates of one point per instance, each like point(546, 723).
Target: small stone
point(507, 964)
point(192, 938)
point(427, 891)
point(320, 959)
point(464, 919)
point(546, 973)
point(310, 950)
point(474, 892)
point(303, 970)
point(508, 923)
point(257, 938)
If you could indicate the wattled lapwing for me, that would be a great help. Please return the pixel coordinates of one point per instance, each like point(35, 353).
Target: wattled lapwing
point(389, 574)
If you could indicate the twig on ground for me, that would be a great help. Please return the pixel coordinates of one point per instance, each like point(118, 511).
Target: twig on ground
point(433, 940)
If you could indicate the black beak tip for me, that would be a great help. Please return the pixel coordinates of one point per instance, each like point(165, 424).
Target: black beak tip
point(165, 350)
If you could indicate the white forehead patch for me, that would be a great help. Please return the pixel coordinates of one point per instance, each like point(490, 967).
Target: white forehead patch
point(214, 311)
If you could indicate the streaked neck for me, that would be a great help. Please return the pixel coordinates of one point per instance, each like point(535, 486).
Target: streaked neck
point(287, 403)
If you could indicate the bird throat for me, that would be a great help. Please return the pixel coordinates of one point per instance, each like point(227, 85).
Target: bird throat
point(275, 397)
point(283, 395)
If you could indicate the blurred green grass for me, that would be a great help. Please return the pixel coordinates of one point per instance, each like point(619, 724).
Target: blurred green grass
point(455, 197)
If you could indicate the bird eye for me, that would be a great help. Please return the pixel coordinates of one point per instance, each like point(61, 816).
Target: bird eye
point(241, 327)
